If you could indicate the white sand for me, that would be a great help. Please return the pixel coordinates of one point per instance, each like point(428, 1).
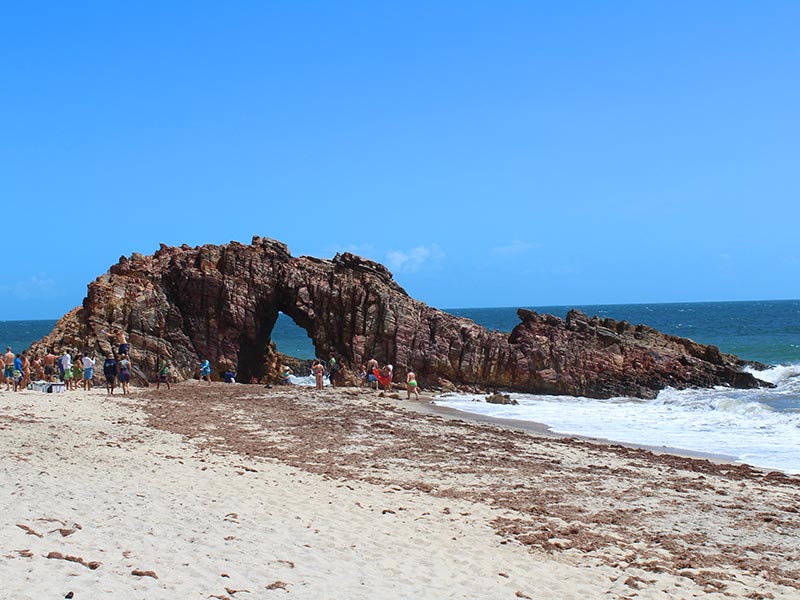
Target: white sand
point(131, 497)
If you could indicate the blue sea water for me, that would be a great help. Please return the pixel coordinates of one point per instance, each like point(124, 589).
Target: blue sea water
point(758, 427)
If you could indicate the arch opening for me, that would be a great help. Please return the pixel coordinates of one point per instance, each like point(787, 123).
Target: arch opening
point(292, 339)
point(271, 325)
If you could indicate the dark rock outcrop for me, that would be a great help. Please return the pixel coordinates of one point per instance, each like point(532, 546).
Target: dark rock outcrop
point(221, 303)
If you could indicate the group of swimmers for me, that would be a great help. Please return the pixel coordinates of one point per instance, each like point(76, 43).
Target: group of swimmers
point(382, 376)
point(20, 371)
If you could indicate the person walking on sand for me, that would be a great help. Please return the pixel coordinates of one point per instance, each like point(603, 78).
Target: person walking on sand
point(411, 385)
point(163, 371)
point(8, 367)
point(319, 370)
point(125, 373)
point(205, 371)
point(88, 372)
point(110, 371)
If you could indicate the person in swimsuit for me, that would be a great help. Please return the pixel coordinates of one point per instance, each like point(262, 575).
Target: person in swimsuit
point(163, 372)
point(124, 347)
point(372, 368)
point(8, 369)
point(411, 385)
point(285, 372)
point(18, 373)
point(26, 370)
point(318, 369)
point(49, 362)
point(388, 372)
point(125, 373)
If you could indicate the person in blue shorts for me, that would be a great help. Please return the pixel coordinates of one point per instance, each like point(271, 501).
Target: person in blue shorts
point(205, 371)
point(88, 371)
point(8, 368)
point(372, 366)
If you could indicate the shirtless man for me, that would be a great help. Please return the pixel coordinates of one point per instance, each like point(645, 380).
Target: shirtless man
point(119, 335)
point(8, 367)
point(49, 362)
point(371, 366)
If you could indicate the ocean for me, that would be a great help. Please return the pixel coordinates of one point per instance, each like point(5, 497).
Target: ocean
point(757, 427)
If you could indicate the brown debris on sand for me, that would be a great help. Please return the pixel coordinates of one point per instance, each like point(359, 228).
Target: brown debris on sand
point(76, 559)
point(656, 512)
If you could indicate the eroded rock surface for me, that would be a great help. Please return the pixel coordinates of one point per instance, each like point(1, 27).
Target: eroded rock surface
point(221, 303)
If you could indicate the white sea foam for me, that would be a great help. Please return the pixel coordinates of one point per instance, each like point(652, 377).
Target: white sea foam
point(306, 381)
point(759, 427)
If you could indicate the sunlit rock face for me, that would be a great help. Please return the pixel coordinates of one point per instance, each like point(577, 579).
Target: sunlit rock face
point(221, 303)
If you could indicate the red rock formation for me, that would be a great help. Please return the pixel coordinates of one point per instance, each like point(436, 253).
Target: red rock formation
point(221, 303)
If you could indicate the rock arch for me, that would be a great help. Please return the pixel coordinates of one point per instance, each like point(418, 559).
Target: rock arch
point(221, 303)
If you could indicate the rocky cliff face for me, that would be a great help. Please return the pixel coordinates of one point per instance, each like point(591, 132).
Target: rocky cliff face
point(221, 303)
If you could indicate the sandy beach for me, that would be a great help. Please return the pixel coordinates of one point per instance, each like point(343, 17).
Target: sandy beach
point(237, 491)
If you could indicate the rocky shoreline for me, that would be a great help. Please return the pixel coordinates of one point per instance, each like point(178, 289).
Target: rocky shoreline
point(220, 303)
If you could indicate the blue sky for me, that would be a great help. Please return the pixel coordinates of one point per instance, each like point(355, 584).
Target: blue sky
point(489, 153)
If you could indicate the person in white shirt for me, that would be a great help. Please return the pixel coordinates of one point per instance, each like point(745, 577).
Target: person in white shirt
point(88, 372)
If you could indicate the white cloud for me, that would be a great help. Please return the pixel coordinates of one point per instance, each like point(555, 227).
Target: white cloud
point(515, 248)
point(411, 261)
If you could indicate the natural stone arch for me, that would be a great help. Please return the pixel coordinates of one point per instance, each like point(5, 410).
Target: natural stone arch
point(221, 303)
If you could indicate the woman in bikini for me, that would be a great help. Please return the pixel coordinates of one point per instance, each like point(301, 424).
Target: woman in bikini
point(411, 385)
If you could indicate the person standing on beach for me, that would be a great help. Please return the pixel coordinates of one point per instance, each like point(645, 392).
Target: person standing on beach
point(319, 371)
point(65, 364)
point(372, 372)
point(26, 370)
point(8, 368)
point(388, 371)
point(49, 362)
point(88, 372)
point(411, 385)
point(205, 371)
point(37, 370)
point(163, 371)
point(18, 373)
point(125, 373)
point(333, 369)
point(77, 372)
point(110, 371)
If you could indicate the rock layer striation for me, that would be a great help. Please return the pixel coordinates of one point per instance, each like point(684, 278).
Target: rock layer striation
point(221, 302)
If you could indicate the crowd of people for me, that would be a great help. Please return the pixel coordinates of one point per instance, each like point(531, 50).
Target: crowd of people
point(76, 369)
